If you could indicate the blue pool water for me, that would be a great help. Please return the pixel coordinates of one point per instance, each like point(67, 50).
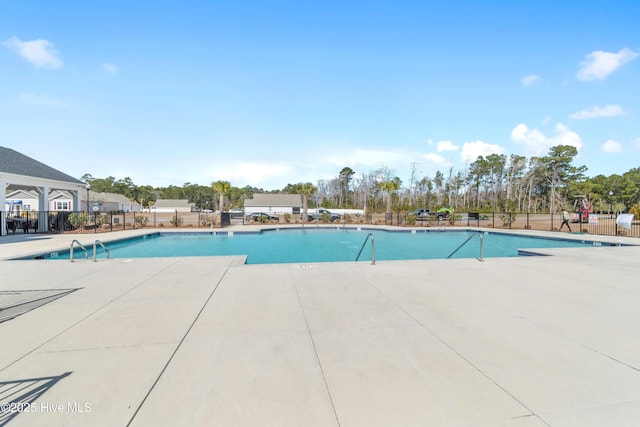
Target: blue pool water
point(325, 245)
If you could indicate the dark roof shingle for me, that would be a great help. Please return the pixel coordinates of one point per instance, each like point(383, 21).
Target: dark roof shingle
point(18, 164)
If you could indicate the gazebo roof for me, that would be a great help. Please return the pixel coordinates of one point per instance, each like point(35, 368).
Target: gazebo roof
point(15, 163)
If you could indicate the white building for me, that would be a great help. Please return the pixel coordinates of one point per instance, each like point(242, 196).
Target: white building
point(274, 203)
point(172, 205)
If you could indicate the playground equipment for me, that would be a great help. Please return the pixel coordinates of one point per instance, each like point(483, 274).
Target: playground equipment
point(582, 208)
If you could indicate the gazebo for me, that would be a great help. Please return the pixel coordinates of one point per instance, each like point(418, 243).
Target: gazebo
point(18, 171)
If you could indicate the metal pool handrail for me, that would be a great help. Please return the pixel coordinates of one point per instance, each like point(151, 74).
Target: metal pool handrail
point(465, 242)
point(373, 252)
point(86, 252)
point(98, 242)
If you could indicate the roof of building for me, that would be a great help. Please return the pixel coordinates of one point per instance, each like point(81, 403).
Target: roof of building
point(107, 197)
point(18, 164)
point(274, 200)
point(173, 203)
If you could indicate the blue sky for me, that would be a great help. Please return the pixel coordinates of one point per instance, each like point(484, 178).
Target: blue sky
point(267, 93)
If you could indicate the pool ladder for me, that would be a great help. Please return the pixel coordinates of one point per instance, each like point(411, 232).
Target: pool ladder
point(86, 251)
point(106, 251)
point(373, 252)
point(465, 242)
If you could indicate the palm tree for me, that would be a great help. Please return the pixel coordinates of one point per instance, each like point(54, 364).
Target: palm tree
point(222, 188)
point(305, 189)
point(390, 186)
point(345, 176)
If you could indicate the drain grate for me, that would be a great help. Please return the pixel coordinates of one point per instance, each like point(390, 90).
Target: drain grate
point(16, 302)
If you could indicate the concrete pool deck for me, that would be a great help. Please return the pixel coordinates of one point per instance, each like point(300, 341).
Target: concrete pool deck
point(525, 341)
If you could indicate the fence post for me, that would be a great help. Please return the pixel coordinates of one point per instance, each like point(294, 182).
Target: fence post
point(176, 218)
point(493, 219)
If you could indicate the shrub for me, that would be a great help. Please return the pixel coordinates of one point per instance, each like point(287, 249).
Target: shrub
point(411, 219)
point(287, 218)
point(141, 221)
point(208, 220)
point(78, 220)
point(509, 215)
point(102, 219)
point(176, 220)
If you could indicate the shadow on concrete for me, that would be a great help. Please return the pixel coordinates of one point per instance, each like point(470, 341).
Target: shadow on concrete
point(13, 303)
point(19, 396)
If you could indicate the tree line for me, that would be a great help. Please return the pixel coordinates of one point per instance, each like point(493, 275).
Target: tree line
point(493, 183)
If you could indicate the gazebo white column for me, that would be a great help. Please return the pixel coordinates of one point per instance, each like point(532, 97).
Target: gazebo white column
point(76, 200)
point(43, 202)
point(3, 214)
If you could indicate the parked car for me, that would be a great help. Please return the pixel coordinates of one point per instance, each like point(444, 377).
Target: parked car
point(317, 215)
point(236, 213)
point(263, 217)
point(444, 213)
point(422, 213)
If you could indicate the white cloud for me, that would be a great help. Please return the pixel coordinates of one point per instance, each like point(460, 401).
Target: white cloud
point(599, 64)
point(40, 53)
point(447, 146)
point(533, 139)
point(110, 68)
point(358, 157)
point(529, 80)
point(253, 173)
point(435, 160)
point(595, 112)
point(298, 168)
point(367, 160)
point(637, 143)
point(536, 143)
point(472, 150)
point(565, 136)
point(612, 146)
point(41, 100)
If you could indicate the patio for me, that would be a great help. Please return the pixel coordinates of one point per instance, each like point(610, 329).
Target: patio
point(526, 341)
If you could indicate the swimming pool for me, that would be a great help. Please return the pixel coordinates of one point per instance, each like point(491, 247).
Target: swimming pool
point(326, 245)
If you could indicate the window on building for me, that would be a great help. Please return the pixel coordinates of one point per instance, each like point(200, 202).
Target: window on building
point(63, 205)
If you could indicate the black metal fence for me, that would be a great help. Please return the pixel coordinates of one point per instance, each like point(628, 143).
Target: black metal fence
point(99, 222)
point(599, 224)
